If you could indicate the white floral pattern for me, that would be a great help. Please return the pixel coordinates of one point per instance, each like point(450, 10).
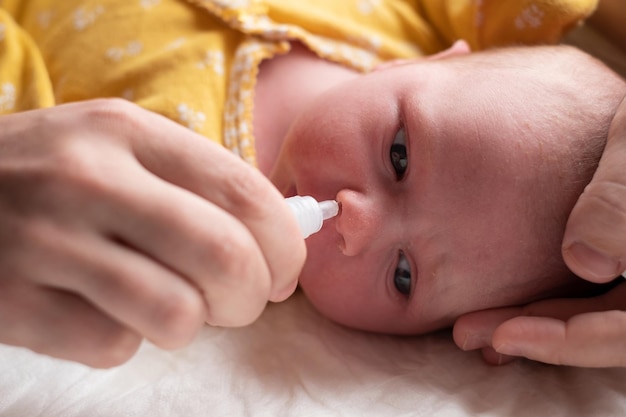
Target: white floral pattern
point(175, 44)
point(84, 17)
point(368, 6)
point(531, 17)
point(224, 69)
point(148, 4)
point(233, 4)
point(191, 118)
point(7, 97)
point(131, 49)
point(44, 18)
point(128, 94)
point(213, 60)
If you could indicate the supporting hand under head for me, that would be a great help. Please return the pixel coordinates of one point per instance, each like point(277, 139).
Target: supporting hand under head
point(117, 224)
point(589, 332)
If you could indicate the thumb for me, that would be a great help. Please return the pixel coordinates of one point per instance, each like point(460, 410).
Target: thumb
point(594, 245)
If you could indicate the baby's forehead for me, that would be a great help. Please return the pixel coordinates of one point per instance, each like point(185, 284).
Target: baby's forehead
point(551, 70)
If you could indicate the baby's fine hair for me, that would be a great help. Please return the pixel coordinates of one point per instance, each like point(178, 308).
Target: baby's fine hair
point(574, 99)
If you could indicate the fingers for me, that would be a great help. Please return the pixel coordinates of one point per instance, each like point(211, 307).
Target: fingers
point(138, 227)
point(217, 175)
point(130, 288)
point(579, 332)
point(202, 243)
point(595, 238)
point(199, 242)
point(183, 201)
point(492, 357)
point(594, 339)
point(62, 325)
point(474, 330)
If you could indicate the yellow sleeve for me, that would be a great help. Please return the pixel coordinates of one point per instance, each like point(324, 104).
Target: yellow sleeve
point(490, 23)
point(24, 80)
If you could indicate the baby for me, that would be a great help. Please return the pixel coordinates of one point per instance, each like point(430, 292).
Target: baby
point(455, 179)
point(455, 173)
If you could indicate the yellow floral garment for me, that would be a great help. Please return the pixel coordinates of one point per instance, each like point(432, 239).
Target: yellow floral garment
point(196, 61)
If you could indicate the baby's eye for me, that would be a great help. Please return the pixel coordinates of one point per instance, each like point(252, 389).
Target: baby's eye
point(402, 275)
point(397, 154)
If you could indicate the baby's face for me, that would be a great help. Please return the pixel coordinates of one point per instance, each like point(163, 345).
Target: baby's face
point(453, 194)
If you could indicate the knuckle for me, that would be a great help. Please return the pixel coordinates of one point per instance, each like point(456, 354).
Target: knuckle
point(179, 317)
point(113, 350)
point(110, 112)
point(79, 173)
point(242, 264)
point(250, 193)
point(602, 219)
point(608, 196)
point(237, 291)
point(75, 176)
point(109, 121)
point(254, 199)
point(603, 202)
point(90, 119)
point(76, 160)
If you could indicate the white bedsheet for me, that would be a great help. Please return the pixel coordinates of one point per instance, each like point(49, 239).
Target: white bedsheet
point(293, 362)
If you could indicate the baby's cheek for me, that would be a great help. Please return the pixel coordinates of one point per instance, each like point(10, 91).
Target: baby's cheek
point(320, 280)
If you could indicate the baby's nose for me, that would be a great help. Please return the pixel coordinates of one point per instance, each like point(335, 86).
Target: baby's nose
point(359, 223)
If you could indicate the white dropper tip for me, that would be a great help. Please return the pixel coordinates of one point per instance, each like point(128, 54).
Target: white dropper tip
point(311, 214)
point(330, 208)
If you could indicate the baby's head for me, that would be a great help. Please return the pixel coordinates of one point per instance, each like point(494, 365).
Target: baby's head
point(455, 179)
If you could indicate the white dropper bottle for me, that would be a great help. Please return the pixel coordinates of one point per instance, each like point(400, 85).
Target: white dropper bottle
point(310, 213)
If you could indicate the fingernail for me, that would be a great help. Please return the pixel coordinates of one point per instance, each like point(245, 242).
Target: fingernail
point(509, 350)
point(473, 342)
point(504, 359)
point(595, 263)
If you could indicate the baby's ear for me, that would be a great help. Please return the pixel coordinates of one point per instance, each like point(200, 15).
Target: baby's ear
point(459, 47)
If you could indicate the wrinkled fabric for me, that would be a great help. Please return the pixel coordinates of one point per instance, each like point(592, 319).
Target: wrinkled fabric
point(293, 362)
point(196, 61)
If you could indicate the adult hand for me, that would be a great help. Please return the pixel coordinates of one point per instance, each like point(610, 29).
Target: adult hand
point(580, 332)
point(589, 332)
point(117, 224)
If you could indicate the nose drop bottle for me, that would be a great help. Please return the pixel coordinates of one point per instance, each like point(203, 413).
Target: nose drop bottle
point(310, 213)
